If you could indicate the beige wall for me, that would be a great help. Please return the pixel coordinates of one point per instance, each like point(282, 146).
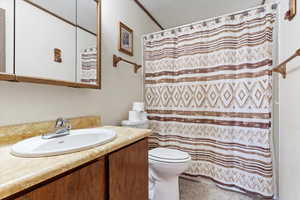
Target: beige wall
point(8, 6)
point(2, 40)
point(289, 91)
point(38, 60)
point(20, 102)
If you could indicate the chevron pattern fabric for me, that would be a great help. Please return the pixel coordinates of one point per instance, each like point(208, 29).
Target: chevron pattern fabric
point(208, 91)
point(89, 66)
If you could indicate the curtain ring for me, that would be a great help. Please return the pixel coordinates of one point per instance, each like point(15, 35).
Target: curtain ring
point(179, 29)
point(232, 17)
point(162, 34)
point(151, 36)
point(245, 14)
point(218, 20)
point(261, 10)
point(204, 24)
point(173, 31)
point(274, 6)
point(191, 27)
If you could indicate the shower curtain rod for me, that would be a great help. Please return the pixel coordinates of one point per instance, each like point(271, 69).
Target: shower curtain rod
point(281, 68)
point(212, 18)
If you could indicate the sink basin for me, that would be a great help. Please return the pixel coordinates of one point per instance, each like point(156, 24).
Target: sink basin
point(78, 140)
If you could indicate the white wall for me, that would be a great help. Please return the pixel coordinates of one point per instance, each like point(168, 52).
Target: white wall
point(2, 40)
point(63, 8)
point(21, 102)
point(87, 14)
point(172, 13)
point(289, 91)
point(86, 11)
point(8, 5)
point(37, 35)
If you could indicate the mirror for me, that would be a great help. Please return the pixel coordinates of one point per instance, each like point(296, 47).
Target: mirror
point(6, 36)
point(56, 41)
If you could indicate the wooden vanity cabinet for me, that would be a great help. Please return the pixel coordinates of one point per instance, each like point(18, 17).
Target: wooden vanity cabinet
point(86, 183)
point(128, 173)
point(120, 175)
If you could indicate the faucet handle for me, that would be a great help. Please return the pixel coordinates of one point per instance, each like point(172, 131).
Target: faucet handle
point(59, 122)
point(62, 123)
point(68, 124)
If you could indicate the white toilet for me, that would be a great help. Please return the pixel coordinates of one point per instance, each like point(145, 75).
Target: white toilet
point(165, 166)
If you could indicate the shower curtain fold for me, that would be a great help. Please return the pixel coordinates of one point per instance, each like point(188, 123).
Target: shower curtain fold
point(208, 91)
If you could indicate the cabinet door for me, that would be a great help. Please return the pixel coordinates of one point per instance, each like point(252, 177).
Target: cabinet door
point(128, 172)
point(87, 183)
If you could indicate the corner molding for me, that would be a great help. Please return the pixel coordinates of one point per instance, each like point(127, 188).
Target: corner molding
point(149, 14)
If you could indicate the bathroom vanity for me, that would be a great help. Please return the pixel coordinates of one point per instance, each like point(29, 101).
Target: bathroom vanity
point(114, 171)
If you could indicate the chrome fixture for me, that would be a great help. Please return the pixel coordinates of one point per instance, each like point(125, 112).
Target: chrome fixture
point(62, 128)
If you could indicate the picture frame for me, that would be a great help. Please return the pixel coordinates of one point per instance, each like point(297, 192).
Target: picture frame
point(126, 39)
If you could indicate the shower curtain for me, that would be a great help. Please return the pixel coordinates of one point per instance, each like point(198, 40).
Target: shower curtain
point(208, 92)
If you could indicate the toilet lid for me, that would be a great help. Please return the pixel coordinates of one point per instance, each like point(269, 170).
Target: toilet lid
point(168, 155)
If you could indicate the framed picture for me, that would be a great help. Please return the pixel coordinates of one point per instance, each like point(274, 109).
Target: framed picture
point(126, 40)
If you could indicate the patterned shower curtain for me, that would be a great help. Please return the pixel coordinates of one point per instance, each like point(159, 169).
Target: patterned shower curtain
point(208, 92)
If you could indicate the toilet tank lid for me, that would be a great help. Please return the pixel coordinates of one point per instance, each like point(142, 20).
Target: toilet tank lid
point(168, 154)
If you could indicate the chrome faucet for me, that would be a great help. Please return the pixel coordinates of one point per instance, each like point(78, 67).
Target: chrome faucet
point(62, 128)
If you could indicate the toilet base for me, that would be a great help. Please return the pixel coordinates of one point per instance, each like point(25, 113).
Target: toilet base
point(167, 189)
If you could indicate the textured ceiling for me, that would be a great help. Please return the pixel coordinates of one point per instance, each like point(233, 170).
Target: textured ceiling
point(172, 13)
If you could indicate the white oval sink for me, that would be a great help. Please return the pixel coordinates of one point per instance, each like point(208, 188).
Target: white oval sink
point(78, 140)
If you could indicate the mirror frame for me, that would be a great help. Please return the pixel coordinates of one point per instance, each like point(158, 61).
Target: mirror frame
point(28, 79)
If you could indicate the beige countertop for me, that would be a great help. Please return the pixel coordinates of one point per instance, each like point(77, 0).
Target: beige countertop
point(18, 174)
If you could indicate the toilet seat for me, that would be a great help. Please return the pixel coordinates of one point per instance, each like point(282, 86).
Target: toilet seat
point(165, 167)
point(168, 155)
